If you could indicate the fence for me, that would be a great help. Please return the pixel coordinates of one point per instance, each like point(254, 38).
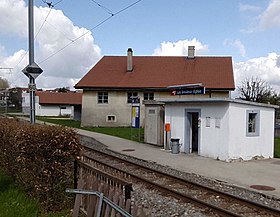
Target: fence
point(101, 194)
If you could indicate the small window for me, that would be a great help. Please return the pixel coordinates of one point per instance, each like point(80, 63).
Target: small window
point(218, 122)
point(102, 97)
point(253, 122)
point(208, 121)
point(149, 96)
point(62, 107)
point(132, 97)
point(111, 118)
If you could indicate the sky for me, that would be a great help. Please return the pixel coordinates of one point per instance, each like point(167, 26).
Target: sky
point(71, 36)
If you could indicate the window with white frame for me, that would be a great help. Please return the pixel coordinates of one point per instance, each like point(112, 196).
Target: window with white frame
point(253, 123)
point(102, 97)
point(131, 96)
point(149, 96)
point(111, 118)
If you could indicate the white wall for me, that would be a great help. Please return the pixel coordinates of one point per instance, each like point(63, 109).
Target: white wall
point(213, 140)
point(54, 110)
point(26, 103)
point(95, 114)
point(45, 110)
point(247, 147)
point(229, 141)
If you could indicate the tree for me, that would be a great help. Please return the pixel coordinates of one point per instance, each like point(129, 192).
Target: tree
point(257, 90)
point(3, 83)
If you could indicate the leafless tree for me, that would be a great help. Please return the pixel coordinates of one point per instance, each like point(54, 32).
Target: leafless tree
point(256, 90)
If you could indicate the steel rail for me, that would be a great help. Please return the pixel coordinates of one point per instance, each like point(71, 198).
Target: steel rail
point(251, 204)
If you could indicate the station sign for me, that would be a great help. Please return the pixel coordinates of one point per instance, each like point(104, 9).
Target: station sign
point(189, 91)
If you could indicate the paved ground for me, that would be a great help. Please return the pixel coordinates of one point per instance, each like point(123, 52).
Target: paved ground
point(243, 173)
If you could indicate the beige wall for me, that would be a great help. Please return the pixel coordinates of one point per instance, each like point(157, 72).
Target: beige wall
point(94, 114)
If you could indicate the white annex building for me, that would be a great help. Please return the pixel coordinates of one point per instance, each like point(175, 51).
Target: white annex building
point(222, 129)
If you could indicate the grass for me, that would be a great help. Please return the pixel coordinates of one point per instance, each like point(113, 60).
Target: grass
point(14, 202)
point(277, 147)
point(122, 132)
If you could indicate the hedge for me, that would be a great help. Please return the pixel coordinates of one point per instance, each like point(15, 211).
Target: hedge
point(40, 158)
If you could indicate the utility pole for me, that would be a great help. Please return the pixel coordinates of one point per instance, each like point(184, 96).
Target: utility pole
point(32, 70)
point(6, 98)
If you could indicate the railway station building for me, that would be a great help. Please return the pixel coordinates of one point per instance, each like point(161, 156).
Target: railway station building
point(185, 97)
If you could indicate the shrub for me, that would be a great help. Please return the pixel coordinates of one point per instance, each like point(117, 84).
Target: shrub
point(40, 157)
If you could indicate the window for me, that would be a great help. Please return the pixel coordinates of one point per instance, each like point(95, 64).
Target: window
point(102, 97)
point(111, 118)
point(131, 96)
point(149, 96)
point(253, 122)
point(62, 107)
point(208, 121)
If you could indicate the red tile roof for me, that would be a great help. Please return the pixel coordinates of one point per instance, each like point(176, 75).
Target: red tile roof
point(67, 98)
point(160, 72)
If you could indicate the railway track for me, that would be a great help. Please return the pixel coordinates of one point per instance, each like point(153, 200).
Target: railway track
point(219, 202)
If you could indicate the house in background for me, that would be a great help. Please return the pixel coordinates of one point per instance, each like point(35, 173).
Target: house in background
point(48, 103)
point(12, 98)
point(112, 85)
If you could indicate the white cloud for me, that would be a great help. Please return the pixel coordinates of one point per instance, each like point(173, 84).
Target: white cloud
point(13, 16)
point(266, 68)
point(64, 68)
point(246, 8)
point(237, 44)
point(180, 48)
point(271, 16)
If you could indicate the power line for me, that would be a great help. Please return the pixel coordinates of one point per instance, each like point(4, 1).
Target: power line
point(103, 7)
point(59, 31)
point(41, 27)
point(99, 24)
point(50, 4)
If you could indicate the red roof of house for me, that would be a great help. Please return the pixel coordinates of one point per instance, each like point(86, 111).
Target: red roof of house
point(67, 98)
point(160, 72)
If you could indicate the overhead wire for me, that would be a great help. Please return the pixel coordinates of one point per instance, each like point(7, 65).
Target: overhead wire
point(103, 7)
point(94, 27)
point(41, 27)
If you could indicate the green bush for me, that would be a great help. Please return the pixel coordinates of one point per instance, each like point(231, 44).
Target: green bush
point(40, 157)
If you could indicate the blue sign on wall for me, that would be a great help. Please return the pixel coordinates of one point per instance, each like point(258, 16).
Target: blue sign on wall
point(189, 91)
point(135, 117)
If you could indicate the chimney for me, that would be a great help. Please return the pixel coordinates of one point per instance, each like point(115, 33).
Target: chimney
point(191, 50)
point(129, 60)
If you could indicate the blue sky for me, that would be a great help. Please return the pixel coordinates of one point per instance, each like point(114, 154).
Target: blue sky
point(247, 30)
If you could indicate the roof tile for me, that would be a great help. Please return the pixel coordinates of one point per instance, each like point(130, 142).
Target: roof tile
point(159, 72)
point(67, 98)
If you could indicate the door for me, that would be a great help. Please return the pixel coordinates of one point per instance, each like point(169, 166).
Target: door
point(151, 125)
point(192, 130)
